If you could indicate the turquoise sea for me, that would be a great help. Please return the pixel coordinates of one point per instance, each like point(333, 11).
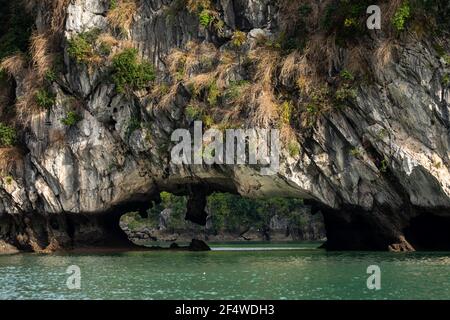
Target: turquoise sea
point(230, 271)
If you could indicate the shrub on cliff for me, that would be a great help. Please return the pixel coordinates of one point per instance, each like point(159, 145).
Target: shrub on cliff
point(44, 98)
point(82, 47)
point(71, 119)
point(128, 73)
point(120, 14)
point(7, 135)
point(401, 16)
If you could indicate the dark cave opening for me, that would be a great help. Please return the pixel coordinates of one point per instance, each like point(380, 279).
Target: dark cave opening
point(429, 232)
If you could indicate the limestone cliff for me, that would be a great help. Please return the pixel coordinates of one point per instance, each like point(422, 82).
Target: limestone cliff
point(364, 115)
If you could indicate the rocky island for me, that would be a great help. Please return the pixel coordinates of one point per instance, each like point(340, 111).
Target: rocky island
point(91, 91)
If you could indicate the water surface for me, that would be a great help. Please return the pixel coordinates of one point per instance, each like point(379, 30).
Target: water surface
point(231, 271)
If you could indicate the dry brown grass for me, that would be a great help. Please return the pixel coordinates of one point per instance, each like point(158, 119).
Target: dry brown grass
point(121, 17)
point(290, 67)
point(357, 61)
point(385, 53)
point(266, 62)
point(184, 63)
point(14, 65)
point(110, 41)
point(314, 69)
point(254, 100)
point(196, 5)
point(265, 110)
point(167, 99)
point(40, 50)
point(228, 61)
point(256, 104)
point(58, 17)
point(176, 62)
point(26, 104)
point(11, 160)
point(201, 81)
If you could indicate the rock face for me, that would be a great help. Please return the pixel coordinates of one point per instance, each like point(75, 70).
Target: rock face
point(373, 169)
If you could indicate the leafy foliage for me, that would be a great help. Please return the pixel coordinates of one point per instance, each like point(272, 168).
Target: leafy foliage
point(128, 73)
point(401, 16)
point(205, 18)
point(238, 38)
point(133, 125)
point(45, 98)
point(213, 94)
point(7, 135)
point(71, 119)
point(81, 46)
point(293, 148)
point(229, 213)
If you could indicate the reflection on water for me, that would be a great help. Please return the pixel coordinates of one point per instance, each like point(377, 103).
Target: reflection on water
point(231, 273)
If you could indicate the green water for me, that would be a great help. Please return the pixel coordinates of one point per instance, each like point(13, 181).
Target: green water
point(292, 271)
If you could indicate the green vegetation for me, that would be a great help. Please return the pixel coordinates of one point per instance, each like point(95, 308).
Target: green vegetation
point(71, 119)
point(113, 4)
point(134, 221)
point(304, 10)
point(207, 15)
point(447, 59)
point(208, 121)
point(293, 148)
point(15, 28)
point(384, 165)
point(81, 47)
point(346, 19)
point(105, 49)
point(50, 76)
point(175, 203)
point(205, 18)
point(133, 125)
point(230, 213)
point(319, 101)
point(345, 94)
point(401, 16)
point(128, 73)
point(347, 75)
point(355, 152)
point(45, 99)
point(193, 112)
point(446, 80)
point(311, 109)
point(9, 180)
point(286, 112)
point(213, 94)
point(238, 38)
point(7, 135)
point(235, 89)
point(381, 134)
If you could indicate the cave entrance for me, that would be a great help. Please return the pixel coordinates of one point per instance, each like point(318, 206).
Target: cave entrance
point(429, 232)
point(223, 217)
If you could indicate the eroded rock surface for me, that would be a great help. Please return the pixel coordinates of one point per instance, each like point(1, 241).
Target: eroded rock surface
point(370, 168)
